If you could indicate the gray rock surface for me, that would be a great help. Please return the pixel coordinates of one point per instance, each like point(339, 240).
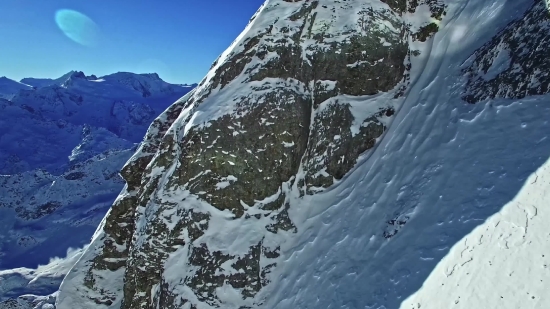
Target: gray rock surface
point(285, 112)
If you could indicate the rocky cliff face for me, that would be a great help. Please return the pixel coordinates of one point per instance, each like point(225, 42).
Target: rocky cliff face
point(306, 90)
point(515, 63)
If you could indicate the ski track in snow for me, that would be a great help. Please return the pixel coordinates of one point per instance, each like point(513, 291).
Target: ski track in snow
point(449, 167)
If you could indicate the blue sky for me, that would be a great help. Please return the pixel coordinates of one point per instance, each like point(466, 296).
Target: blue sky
point(179, 39)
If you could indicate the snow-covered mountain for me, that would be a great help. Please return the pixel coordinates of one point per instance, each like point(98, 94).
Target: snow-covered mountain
point(62, 146)
point(9, 88)
point(54, 119)
point(343, 154)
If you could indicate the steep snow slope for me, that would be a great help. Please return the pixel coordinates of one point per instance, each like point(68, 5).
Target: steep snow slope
point(291, 179)
point(61, 150)
point(443, 170)
point(503, 262)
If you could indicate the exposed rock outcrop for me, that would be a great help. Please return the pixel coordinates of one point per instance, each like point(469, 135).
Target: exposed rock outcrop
point(515, 63)
point(286, 111)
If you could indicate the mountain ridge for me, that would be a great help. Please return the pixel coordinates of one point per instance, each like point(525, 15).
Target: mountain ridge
point(61, 149)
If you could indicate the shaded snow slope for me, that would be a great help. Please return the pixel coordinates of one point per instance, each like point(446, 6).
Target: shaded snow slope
point(9, 88)
point(61, 149)
point(504, 262)
point(290, 180)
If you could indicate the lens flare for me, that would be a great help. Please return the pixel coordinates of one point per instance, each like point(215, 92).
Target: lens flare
point(77, 27)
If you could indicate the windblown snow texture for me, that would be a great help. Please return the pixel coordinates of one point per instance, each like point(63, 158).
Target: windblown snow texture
point(330, 159)
point(62, 145)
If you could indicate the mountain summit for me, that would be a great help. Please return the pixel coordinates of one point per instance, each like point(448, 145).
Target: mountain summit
point(331, 159)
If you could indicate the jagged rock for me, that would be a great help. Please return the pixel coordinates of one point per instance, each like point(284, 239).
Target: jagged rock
point(288, 109)
point(515, 63)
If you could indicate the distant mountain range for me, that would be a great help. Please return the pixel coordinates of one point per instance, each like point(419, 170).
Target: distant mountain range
point(56, 115)
point(9, 88)
point(62, 143)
